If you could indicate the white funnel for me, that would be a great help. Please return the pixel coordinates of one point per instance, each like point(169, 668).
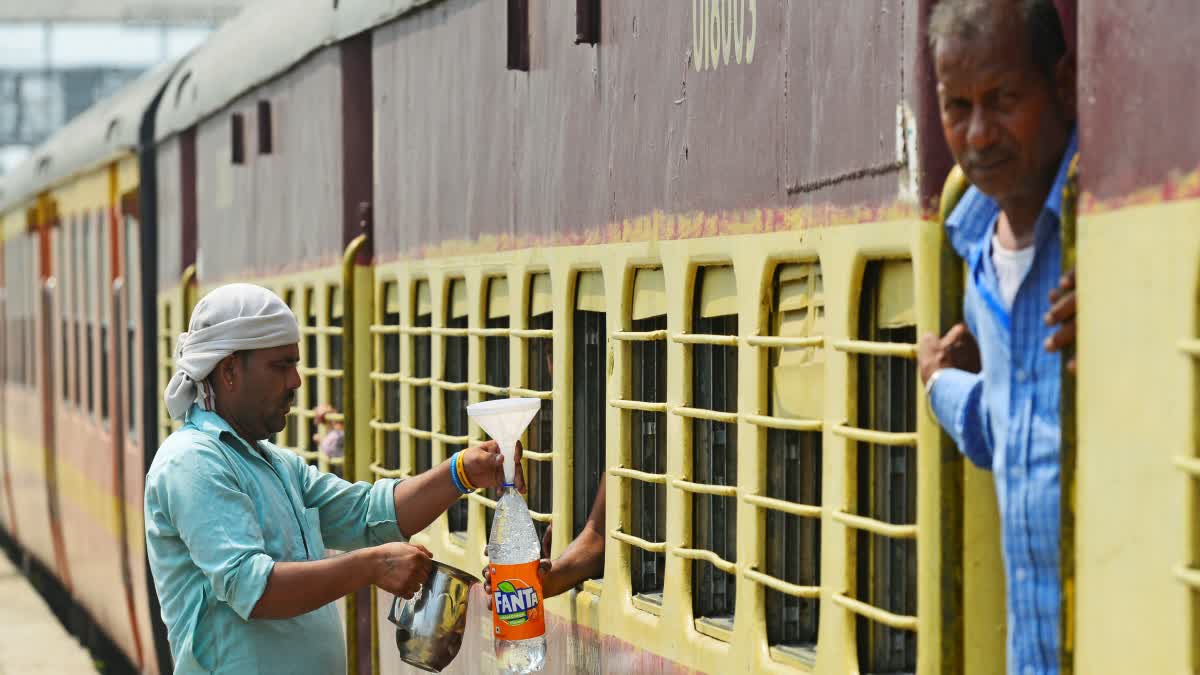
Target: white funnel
point(505, 420)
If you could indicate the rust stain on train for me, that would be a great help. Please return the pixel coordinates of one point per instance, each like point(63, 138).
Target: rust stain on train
point(660, 226)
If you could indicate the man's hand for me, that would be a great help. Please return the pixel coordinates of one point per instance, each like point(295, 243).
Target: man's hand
point(400, 569)
point(545, 575)
point(1062, 314)
point(485, 466)
point(957, 349)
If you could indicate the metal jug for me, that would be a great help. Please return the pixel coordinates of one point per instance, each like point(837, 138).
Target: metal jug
point(430, 626)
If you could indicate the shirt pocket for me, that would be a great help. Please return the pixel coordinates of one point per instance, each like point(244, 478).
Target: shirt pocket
point(312, 534)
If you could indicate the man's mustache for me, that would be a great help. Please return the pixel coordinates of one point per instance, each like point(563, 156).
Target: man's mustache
point(985, 159)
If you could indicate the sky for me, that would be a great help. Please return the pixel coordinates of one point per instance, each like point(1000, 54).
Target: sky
point(70, 45)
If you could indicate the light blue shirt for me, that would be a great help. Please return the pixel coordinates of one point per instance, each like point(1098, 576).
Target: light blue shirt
point(219, 515)
point(1006, 419)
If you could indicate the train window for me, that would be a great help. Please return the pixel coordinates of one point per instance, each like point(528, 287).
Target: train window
point(91, 250)
point(237, 127)
point(387, 384)
point(266, 137)
point(714, 448)
point(79, 303)
point(495, 359)
point(587, 22)
point(62, 250)
point(647, 444)
point(336, 356)
point(589, 360)
point(291, 436)
point(334, 378)
point(105, 289)
point(422, 394)
point(887, 473)
point(496, 356)
point(454, 386)
point(133, 308)
point(792, 473)
point(166, 360)
point(539, 381)
point(518, 35)
point(310, 361)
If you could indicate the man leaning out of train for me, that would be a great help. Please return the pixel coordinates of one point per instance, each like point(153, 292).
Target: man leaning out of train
point(236, 528)
point(1006, 89)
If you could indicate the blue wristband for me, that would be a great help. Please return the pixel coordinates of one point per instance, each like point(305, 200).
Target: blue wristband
point(454, 474)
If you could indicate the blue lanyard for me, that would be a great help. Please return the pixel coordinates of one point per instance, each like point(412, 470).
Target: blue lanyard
point(986, 293)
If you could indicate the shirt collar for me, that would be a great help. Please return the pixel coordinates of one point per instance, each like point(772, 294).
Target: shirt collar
point(216, 426)
point(970, 224)
point(208, 421)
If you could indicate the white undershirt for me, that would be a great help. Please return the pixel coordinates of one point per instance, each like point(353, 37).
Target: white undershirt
point(1011, 268)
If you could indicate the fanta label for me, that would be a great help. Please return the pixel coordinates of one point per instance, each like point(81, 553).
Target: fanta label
point(517, 602)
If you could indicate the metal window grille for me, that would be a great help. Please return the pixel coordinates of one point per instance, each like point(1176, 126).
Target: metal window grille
point(648, 454)
point(389, 392)
point(333, 375)
point(290, 435)
point(887, 479)
point(166, 368)
point(793, 468)
point(714, 459)
point(89, 284)
point(387, 380)
point(105, 290)
point(336, 362)
point(64, 309)
point(539, 377)
point(105, 354)
point(132, 305)
point(422, 394)
point(454, 402)
point(496, 374)
point(310, 361)
point(79, 309)
point(588, 410)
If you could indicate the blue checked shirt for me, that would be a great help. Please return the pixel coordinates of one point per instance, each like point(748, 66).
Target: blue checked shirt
point(1006, 419)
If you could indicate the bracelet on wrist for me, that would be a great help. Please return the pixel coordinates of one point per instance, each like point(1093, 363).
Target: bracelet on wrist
point(462, 472)
point(454, 477)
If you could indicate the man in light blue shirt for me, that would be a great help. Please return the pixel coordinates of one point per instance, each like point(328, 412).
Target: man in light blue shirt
point(236, 528)
point(1006, 92)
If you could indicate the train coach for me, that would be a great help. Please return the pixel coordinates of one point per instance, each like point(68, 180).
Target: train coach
point(705, 234)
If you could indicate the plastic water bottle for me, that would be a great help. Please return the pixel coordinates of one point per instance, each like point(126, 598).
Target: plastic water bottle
point(518, 617)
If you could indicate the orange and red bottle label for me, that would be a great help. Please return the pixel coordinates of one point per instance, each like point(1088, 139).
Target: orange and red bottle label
point(517, 612)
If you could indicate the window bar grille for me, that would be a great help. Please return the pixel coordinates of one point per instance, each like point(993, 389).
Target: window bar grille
point(887, 479)
point(589, 409)
point(714, 460)
point(454, 396)
point(539, 376)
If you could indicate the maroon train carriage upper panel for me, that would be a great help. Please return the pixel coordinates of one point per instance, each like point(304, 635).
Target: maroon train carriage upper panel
point(709, 106)
point(277, 205)
point(1139, 62)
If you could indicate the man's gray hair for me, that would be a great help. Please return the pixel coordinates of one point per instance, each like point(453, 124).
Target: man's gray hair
point(968, 19)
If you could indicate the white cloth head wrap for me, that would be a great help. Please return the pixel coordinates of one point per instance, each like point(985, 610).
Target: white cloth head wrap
point(232, 318)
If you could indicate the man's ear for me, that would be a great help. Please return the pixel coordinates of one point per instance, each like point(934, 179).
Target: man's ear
point(228, 372)
point(1065, 84)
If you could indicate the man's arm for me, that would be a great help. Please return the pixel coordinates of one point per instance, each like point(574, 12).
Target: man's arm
point(355, 515)
point(949, 369)
point(296, 588)
point(422, 498)
point(583, 559)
